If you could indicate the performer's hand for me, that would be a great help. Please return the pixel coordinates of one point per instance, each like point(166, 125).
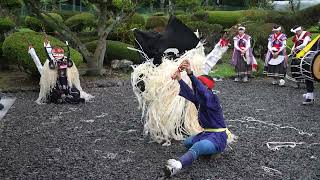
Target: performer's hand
point(176, 76)
point(30, 46)
point(186, 65)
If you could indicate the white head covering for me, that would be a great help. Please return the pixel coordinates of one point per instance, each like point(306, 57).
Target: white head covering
point(241, 28)
point(276, 29)
point(295, 29)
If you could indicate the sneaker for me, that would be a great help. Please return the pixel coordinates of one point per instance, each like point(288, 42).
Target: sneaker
point(308, 101)
point(236, 79)
point(245, 79)
point(173, 167)
point(282, 82)
point(305, 96)
point(274, 82)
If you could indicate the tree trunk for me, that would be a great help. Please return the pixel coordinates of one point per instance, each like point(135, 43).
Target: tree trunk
point(95, 65)
point(151, 7)
point(162, 5)
point(74, 5)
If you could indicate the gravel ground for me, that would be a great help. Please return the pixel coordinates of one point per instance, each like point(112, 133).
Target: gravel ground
point(103, 139)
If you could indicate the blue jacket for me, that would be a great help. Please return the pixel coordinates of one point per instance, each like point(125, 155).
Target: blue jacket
point(210, 112)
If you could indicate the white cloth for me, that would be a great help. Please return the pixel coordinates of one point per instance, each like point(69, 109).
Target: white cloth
point(277, 60)
point(36, 59)
point(213, 57)
point(306, 40)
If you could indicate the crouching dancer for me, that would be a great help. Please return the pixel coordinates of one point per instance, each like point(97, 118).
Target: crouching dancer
point(214, 137)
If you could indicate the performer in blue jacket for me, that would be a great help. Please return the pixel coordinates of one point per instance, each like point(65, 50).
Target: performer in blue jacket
point(213, 139)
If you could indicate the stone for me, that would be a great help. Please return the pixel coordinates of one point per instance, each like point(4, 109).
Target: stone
point(124, 65)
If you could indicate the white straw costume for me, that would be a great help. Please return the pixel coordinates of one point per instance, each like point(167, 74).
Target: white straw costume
point(49, 77)
point(166, 115)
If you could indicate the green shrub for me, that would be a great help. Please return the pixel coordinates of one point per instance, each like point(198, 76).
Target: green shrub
point(260, 33)
point(81, 21)
point(37, 25)
point(136, 19)
point(234, 2)
point(15, 49)
point(314, 29)
point(33, 23)
point(6, 24)
point(179, 12)
point(25, 30)
point(123, 31)
point(66, 14)
point(200, 16)
point(205, 28)
point(11, 4)
point(184, 18)
point(116, 50)
point(159, 14)
point(225, 18)
point(255, 15)
point(156, 21)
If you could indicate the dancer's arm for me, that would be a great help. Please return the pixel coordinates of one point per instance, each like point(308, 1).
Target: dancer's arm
point(284, 45)
point(35, 58)
point(306, 40)
point(186, 91)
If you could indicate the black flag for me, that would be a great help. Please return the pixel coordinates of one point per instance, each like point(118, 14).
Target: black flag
point(176, 35)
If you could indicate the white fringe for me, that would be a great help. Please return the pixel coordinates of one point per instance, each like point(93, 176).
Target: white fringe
point(48, 81)
point(166, 115)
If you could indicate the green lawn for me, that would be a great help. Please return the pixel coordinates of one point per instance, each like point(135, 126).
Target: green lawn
point(223, 70)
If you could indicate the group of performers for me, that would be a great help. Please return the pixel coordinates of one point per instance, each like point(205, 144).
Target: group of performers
point(64, 86)
point(276, 61)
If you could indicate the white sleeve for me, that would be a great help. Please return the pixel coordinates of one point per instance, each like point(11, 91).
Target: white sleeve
point(248, 44)
point(236, 44)
point(306, 40)
point(284, 43)
point(36, 59)
point(270, 46)
point(48, 49)
point(218, 44)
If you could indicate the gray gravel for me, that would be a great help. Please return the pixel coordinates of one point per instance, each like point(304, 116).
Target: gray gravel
point(103, 139)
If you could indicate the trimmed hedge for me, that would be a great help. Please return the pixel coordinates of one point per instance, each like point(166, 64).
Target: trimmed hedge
point(255, 15)
point(226, 18)
point(123, 31)
point(81, 21)
point(205, 28)
point(33, 23)
point(15, 49)
point(66, 14)
point(156, 21)
point(200, 16)
point(117, 50)
point(11, 4)
point(37, 25)
point(6, 24)
point(184, 18)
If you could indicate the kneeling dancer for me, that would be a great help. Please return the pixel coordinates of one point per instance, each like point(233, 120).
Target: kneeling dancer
point(59, 82)
point(213, 139)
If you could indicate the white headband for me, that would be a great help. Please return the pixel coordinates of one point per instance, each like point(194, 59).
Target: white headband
point(241, 28)
point(277, 29)
point(296, 29)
